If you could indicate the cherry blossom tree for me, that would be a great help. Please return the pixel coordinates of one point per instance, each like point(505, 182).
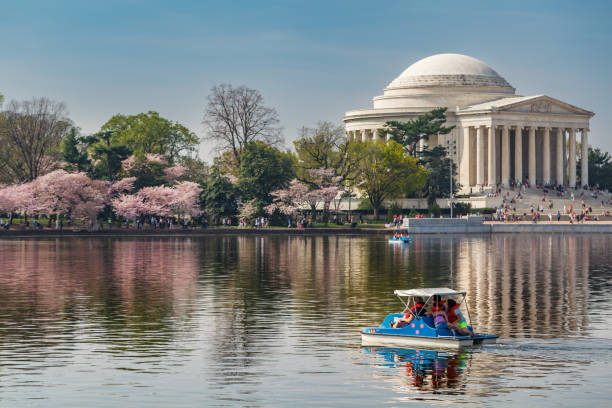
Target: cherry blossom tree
point(289, 200)
point(129, 206)
point(158, 200)
point(325, 188)
point(174, 173)
point(61, 193)
point(161, 201)
point(120, 186)
point(7, 199)
point(186, 200)
point(15, 198)
point(159, 158)
point(248, 209)
point(128, 164)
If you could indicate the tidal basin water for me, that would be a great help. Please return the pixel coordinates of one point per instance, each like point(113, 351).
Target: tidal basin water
point(273, 321)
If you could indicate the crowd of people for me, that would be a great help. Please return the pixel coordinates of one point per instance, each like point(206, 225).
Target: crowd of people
point(507, 212)
point(580, 213)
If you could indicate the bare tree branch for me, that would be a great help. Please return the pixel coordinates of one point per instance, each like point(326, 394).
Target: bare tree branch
point(30, 131)
point(237, 116)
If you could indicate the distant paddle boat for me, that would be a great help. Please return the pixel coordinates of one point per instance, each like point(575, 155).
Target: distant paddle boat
point(422, 331)
point(400, 239)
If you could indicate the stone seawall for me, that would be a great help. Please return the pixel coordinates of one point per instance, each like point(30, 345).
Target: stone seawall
point(475, 225)
point(412, 226)
point(552, 228)
point(466, 225)
point(194, 232)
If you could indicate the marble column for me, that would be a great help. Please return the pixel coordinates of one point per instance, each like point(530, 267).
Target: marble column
point(584, 168)
point(364, 135)
point(546, 156)
point(518, 154)
point(480, 156)
point(374, 134)
point(572, 158)
point(532, 157)
point(505, 176)
point(492, 162)
point(560, 137)
point(464, 168)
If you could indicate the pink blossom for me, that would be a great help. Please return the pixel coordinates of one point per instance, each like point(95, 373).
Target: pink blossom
point(182, 200)
point(120, 186)
point(158, 200)
point(289, 200)
point(231, 178)
point(174, 173)
point(186, 202)
point(12, 197)
point(129, 206)
point(60, 192)
point(159, 158)
point(128, 164)
point(248, 209)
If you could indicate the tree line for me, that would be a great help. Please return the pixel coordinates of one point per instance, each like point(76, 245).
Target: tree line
point(146, 165)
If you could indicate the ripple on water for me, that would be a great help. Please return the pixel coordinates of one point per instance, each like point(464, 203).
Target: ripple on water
point(275, 321)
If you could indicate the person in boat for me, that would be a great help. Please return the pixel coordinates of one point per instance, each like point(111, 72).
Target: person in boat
point(456, 321)
point(396, 236)
point(438, 312)
point(417, 310)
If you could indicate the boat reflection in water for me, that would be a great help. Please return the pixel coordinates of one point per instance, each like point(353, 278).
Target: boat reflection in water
point(425, 369)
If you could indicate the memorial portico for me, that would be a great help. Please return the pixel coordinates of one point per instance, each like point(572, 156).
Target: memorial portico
point(501, 138)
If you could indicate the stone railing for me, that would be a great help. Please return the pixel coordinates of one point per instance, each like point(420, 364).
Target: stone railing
point(471, 224)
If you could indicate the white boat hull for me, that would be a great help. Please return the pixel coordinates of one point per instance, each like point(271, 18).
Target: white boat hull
point(390, 340)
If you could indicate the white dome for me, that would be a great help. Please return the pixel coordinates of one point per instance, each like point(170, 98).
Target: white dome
point(449, 70)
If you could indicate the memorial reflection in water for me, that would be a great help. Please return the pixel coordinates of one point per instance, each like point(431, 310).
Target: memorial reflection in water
point(219, 316)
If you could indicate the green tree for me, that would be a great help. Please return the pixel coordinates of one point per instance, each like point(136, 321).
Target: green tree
point(196, 169)
point(74, 152)
point(434, 209)
point(438, 165)
point(386, 172)
point(600, 168)
point(394, 209)
point(148, 173)
point(107, 154)
point(219, 196)
point(409, 134)
point(150, 133)
point(263, 169)
point(462, 208)
point(326, 147)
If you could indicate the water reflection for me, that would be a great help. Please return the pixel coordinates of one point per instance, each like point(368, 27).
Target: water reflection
point(120, 296)
point(536, 285)
point(233, 320)
point(427, 370)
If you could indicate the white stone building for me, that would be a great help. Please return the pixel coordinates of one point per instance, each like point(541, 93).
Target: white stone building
point(499, 136)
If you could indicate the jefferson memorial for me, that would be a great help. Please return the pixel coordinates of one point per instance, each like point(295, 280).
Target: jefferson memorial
point(499, 136)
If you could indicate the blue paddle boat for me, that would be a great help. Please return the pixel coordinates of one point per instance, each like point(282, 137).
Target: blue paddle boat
point(402, 239)
point(416, 326)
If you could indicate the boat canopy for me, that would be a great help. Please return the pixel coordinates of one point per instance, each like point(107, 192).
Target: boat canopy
point(428, 292)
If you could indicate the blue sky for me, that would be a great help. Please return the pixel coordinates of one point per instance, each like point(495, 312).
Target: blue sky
point(311, 60)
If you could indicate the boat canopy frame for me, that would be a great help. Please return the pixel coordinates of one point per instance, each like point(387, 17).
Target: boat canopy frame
point(429, 293)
